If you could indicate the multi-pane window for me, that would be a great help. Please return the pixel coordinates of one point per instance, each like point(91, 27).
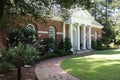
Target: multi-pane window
point(51, 32)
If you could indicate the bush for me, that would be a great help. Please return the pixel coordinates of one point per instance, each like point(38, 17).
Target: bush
point(48, 55)
point(67, 44)
point(5, 67)
point(97, 45)
point(16, 35)
point(118, 42)
point(61, 52)
point(106, 40)
point(48, 44)
point(31, 54)
point(20, 55)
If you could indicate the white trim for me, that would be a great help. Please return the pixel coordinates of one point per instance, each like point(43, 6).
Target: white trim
point(78, 37)
point(43, 32)
point(60, 33)
point(56, 18)
point(64, 30)
point(46, 32)
point(99, 35)
point(31, 25)
point(96, 26)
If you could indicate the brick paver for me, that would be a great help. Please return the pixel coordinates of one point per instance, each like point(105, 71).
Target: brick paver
point(50, 69)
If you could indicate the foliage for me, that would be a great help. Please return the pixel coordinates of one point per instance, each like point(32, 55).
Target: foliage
point(20, 55)
point(105, 40)
point(15, 55)
point(107, 13)
point(31, 54)
point(98, 45)
point(49, 44)
point(38, 9)
point(67, 44)
point(23, 35)
point(5, 67)
point(118, 42)
point(48, 48)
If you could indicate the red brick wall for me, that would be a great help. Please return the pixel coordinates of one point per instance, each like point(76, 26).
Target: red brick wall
point(93, 30)
point(67, 30)
point(44, 26)
point(99, 32)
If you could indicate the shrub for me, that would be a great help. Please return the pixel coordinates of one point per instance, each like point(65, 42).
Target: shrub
point(31, 54)
point(48, 44)
point(97, 45)
point(61, 52)
point(48, 55)
point(19, 55)
point(5, 67)
point(61, 45)
point(67, 44)
point(106, 40)
point(16, 35)
point(118, 42)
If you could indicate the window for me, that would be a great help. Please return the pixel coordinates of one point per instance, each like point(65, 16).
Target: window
point(51, 32)
point(30, 27)
point(95, 35)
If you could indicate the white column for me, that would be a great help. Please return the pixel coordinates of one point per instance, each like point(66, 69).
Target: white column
point(78, 34)
point(63, 30)
point(84, 37)
point(89, 37)
point(71, 34)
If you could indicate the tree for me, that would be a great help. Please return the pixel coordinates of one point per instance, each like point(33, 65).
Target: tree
point(19, 56)
point(102, 11)
point(36, 8)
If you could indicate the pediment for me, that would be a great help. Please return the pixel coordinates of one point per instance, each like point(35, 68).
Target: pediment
point(82, 14)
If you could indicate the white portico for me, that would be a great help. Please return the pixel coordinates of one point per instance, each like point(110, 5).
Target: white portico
point(79, 29)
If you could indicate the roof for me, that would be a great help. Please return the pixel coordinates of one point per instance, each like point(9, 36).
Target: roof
point(96, 24)
point(81, 16)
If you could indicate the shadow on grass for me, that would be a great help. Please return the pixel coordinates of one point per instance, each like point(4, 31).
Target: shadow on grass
point(94, 68)
point(112, 51)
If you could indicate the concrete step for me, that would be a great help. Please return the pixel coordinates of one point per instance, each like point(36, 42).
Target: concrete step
point(82, 51)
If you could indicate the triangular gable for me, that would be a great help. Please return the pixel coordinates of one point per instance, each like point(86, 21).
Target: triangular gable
point(85, 16)
point(82, 14)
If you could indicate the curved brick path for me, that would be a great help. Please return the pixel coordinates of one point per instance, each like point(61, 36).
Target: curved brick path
point(50, 70)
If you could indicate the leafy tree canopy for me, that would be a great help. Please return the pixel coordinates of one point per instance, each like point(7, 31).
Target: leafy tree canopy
point(37, 8)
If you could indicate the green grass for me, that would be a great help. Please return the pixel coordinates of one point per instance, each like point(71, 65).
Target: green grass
point(103, 65)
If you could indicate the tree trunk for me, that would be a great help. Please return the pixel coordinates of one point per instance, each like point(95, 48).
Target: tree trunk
point(2, 5)
point(19, 73)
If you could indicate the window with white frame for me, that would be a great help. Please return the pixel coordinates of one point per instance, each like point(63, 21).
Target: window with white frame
point(51, 32)
point(30, 27)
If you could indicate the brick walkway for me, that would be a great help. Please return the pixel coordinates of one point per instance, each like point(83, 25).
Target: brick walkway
point(50, 69)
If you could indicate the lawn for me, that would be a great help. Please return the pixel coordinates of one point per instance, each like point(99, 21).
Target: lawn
point(103, 65)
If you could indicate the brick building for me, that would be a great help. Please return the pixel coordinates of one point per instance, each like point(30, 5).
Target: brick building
point(80, 27)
